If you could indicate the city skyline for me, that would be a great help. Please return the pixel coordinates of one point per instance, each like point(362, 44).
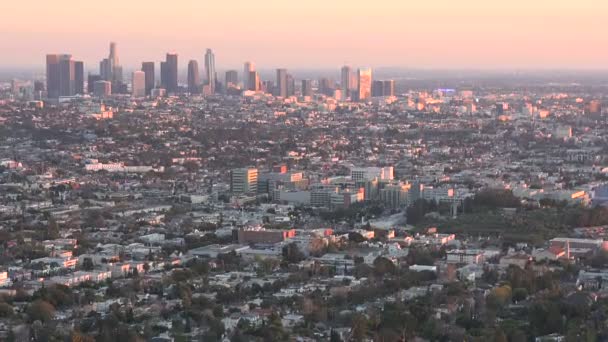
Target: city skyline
point(444, 34)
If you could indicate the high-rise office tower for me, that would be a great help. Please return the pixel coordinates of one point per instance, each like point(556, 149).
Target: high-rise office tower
point(232, 78)
point(163, 75)
point(383, 88)
point(281, 86)
point(266, 86)
point(67, 77)
point(244, 180)
point(38, 86)
point(78, 77)
point(210, 75)
point(91, 79)
point(249, 67)
point(102, 88)
point(194, 80)
point(345, 81)
point(291, 85)
point(138, 84)
point(115, 64)
point(388, 88)
point(377, 88)
point(306, 87)
point(254, 81)
point(326, 86)
point(354, 84)
point(110, 68)
point(60, 75)
point(104, 69)
point(52, 75)
point(148, 69)
point(364, 91)
point(168, 73)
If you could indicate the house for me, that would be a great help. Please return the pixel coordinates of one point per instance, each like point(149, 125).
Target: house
point(4, 279)
point(291, 320)
point(551, 338)
point(551, 254)
point(119, 270)
point(520, 260)
point(422, 268)
point(592, 280)
point(465, 256)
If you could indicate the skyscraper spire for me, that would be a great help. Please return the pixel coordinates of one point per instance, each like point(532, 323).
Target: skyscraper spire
point(210, 75)
point(110, 69)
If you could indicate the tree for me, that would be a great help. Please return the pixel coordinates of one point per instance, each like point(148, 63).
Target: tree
point(41, 310)
point(500, 336)
point(358, 328)
point(496, 198)
point(5, 310)
point(87, 264)
point(490, 275)
point(415, 213)
point(334, 336)
point(545, 318)
point(503, 294)
point(292, 253)
point(356, 237)
point(520, 294)
point(78, 337)
point(384, 266)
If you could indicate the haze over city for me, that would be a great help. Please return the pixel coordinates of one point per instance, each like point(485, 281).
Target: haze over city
point(303, 171)
point(475, 34)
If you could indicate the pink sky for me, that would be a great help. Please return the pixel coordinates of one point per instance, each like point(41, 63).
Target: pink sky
point(313, 33)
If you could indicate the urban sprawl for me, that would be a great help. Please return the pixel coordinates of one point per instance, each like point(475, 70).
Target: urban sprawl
point(340, 208)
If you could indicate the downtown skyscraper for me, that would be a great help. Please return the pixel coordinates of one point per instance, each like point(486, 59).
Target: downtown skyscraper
point(64, 76)
point(168, 73)
point(210, 75)
point(307, 87)
point(232, 79)
point(148, 69)
point(194, 79)
point(248, 68)
point(364, 91)
point(345, 80)
point(110, 68)
point(384, 88)
point(281, 86)
point(138, 84)
point(253, 81)
point(78, 77)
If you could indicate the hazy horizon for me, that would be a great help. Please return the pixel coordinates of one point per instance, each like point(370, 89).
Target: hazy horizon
point(446, 34)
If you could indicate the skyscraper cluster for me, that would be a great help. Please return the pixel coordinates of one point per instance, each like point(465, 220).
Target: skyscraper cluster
point(65, 77)
point(168, 73)
point(383, 88)
point(110, 70)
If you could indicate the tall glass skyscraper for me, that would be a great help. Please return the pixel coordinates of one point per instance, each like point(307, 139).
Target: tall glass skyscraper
point(148, 69)
point(345, 83)
point(281, 87)
point(193, 77)
point(364, 92)
point(247, 70)
point(62, 75)
point(168, 73)
point(210, 70)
